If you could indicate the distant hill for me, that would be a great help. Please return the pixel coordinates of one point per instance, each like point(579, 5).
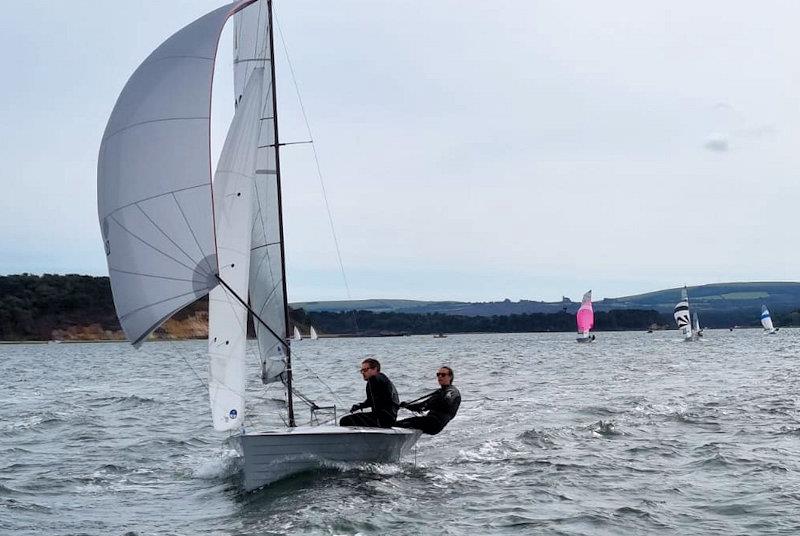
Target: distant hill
point(78, 307)
point(742, 300)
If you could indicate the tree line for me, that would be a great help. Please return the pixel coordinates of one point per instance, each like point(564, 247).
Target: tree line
point(33, 306)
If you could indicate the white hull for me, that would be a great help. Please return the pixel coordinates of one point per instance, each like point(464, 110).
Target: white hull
point(273, 455)
point(585, 338)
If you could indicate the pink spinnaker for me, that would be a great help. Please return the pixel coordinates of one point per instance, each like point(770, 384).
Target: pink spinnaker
point(585, 316)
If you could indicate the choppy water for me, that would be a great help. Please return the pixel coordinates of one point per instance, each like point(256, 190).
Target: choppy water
point(698, 438)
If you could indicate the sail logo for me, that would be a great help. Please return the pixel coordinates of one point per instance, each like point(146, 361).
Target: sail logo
point(233, 414)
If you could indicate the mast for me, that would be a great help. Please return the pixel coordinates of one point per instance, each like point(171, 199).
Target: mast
point(289, 401)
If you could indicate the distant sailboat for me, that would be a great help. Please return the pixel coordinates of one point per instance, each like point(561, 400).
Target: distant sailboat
point(766, 321)
point(313, 334)
point(297, 336)
point(697, 331)
point(682, 316)
point(585, 318)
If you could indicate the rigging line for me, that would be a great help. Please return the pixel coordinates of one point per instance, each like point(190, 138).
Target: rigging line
point(205, 385)
point(253, 248)
point(255, 315)
point(316, 158)
point(320, 380)
point(282, 144)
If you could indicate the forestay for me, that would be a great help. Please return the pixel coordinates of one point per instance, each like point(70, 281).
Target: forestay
point(227, 317)
point(267, 288)
point(154, 180)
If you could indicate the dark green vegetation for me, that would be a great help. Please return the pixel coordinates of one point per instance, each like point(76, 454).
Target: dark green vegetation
point(40, 307)
point(373, 324)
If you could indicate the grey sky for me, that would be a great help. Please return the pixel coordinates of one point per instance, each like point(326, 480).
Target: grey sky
point(471, 150)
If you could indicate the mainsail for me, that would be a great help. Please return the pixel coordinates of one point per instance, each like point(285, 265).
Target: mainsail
point(267, 287)
point(681, 313)
point(585, 316)
point(766, 320)
point(313, 334)
point(154, 197)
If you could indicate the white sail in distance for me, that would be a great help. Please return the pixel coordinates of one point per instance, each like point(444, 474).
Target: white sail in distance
point(154, 195)
point(297, 335)
point(313, 334)
point(766, 320)
point(266, 286)
point(227, 315)
point(681, 314)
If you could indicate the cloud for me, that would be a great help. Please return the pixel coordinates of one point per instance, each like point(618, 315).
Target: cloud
point(717, 143)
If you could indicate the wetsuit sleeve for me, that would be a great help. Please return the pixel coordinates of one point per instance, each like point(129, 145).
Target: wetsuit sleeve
point(422, 405)
point(452, 401)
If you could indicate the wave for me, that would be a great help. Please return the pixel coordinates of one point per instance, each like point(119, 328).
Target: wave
point(126, 401)
point(36, 421)
point(221, 465)
point(14, 504)
point(537, 438)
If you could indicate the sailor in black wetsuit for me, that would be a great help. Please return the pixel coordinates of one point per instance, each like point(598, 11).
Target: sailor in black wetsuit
point(381, 398)
point(441, 405)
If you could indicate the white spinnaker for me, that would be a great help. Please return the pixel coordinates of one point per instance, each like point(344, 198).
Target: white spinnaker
point(267, 297)
point(766, 320)
point(154, 198)
point(227, 316)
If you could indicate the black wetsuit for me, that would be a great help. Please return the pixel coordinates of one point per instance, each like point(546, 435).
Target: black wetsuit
point(441, 405)
point(382, 399)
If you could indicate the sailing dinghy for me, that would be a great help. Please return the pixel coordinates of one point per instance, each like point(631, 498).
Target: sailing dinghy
point(766, 321)
point(682, 317)
point(313, 334)
point(697, 331)
point(172, 235)
point(585, 318)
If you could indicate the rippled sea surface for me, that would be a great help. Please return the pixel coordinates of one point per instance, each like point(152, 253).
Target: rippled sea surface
point(635, 433)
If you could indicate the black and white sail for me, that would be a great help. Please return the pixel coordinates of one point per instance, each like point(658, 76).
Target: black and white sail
point(683, 316)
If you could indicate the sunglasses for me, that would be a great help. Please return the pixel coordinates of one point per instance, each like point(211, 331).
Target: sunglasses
point(363, 370)
point(441, 374)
